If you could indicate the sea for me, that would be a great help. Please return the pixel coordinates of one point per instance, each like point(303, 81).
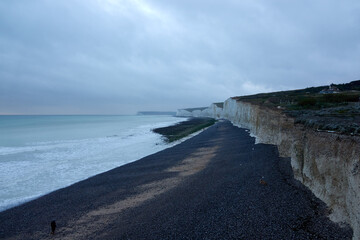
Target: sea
point(40, 154)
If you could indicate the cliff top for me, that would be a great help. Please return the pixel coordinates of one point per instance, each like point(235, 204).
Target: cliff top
point(329, 108)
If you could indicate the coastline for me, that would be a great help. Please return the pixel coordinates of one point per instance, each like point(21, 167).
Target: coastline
point(205, 187)
point(40, 154)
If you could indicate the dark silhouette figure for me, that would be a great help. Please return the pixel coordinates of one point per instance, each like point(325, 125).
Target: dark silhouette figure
point(53, 226)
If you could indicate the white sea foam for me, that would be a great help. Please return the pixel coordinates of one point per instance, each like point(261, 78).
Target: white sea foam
point(29, 169)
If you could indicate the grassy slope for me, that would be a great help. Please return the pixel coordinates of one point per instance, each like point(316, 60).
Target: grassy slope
point(308, 98)
point(339, 112)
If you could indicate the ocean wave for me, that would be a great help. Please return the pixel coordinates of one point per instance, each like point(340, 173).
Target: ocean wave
point(39, 167)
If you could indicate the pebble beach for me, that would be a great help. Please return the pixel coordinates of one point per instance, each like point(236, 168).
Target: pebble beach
point(218, 184)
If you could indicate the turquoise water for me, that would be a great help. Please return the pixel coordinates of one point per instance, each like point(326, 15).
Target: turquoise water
point(39, 154)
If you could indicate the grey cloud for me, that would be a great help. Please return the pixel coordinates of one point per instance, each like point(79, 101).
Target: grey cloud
point(120, 56)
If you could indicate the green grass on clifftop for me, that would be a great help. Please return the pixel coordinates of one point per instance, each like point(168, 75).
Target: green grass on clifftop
point(308, 98)
point(336, 112)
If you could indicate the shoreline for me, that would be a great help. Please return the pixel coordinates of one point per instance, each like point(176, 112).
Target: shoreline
point(42, 155)
point(205, 187)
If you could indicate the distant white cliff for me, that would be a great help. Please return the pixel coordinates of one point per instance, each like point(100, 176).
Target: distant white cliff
point(215, 110)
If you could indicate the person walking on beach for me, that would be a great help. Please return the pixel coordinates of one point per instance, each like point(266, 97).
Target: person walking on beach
point(53, 227)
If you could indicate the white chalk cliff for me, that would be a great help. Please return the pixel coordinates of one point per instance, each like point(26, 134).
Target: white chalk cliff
point(327, 163)
point(215, 110)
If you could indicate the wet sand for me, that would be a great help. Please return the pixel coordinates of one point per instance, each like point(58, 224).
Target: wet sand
point(207, 187)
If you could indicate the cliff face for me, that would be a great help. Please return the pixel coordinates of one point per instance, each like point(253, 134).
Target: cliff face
point(213, 111)
point(327, 163)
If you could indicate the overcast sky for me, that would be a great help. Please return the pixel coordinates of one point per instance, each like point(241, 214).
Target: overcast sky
point(124, 56)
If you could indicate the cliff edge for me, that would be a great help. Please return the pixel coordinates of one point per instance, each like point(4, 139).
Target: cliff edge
point(327, 162)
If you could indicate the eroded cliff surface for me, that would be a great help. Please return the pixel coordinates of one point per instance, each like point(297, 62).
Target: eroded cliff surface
point(327, 163)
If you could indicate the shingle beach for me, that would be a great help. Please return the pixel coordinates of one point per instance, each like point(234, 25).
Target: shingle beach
point(218, 184)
